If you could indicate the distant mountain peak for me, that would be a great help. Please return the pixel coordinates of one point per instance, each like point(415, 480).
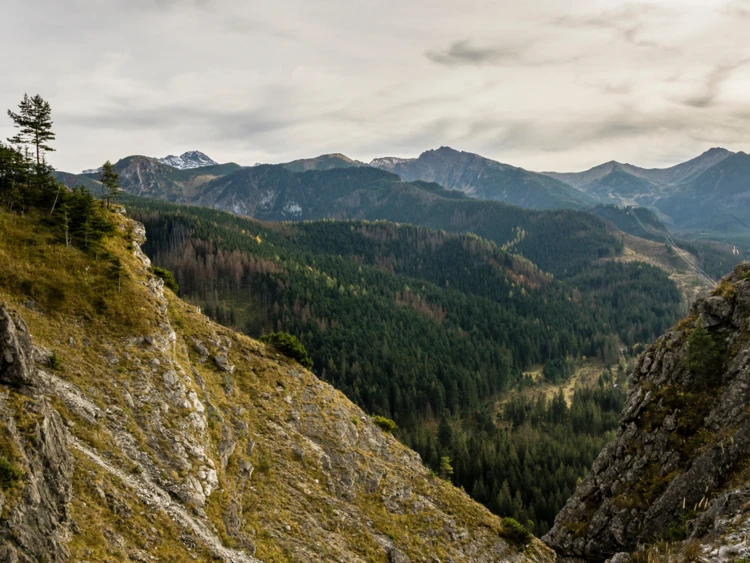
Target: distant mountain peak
point(188, 160)
point(322, 162)
point(385, 161)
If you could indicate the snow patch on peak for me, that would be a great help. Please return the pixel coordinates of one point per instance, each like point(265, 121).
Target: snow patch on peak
point(188, 160)
point(92, 171)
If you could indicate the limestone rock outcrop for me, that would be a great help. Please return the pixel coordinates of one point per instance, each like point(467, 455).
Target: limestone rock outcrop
point(679, 467)
point(35, 508)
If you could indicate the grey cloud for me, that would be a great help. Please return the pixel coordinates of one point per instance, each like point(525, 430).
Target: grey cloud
point(712, 88)
point(460, 53)
point(463, 52)
point(543, 84)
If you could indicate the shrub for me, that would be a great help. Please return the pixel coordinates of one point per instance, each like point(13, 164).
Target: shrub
point(290, 346)
point(168, 278)
point(515, 532)
point(9, 473)
point(385, 423)
point(691, 551)
point(54, 361)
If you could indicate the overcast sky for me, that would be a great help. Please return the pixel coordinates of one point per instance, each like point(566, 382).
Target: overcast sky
point(543, 84)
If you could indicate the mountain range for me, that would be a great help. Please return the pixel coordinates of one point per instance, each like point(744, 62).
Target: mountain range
point(706, 197)
point(483, 178)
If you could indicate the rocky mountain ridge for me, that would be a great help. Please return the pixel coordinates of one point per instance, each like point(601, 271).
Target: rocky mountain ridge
point(678, 470)
point(660, 176)
point(134, 429)
point(188, 160)
point(486, 179)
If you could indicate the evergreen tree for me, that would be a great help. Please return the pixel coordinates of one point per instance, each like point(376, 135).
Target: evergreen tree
point(446, 469)
point(110, 182)
point(34, 122)
point(445, 433)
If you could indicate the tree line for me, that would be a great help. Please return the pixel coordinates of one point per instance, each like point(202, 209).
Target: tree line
point(27, 184)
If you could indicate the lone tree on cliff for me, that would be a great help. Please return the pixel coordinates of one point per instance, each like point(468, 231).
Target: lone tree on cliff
point(34, 122)
point(110, 182)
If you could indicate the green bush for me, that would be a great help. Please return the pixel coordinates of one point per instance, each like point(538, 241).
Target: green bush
point(289, 346)
point(54, 361)
point(385, 423)
point(168, 278)
point(9, 473)
point(515, 532)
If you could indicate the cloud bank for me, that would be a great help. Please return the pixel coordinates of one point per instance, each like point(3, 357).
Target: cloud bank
point(540, 84)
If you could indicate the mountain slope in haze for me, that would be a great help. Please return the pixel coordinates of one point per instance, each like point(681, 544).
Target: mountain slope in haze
point(486, 179)
point(90, 182)
point(716, 200)
point(188, 160)
point(620, 186)
point(672, 175)
point(322, 162)
point(133, 428)
point(675, 484)
point(705, 197)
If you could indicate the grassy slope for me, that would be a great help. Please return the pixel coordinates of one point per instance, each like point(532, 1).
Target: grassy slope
point(289, 509)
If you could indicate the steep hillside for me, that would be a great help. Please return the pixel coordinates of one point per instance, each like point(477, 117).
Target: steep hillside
point(637, 221)
point(133, 428)
point(486, 179)
point(689, 262)
point(676, 480)
point(619, 186)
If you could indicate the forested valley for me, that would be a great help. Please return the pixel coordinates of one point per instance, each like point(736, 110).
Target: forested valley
point(430, 329)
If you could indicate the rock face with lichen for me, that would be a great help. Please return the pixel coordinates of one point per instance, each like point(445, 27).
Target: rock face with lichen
point(134, 429)
point(35, 522)
point(679, 469)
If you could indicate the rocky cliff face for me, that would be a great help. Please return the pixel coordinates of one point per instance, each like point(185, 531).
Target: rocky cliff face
point(679, 469)
point(35, 509)
point(134, 429)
